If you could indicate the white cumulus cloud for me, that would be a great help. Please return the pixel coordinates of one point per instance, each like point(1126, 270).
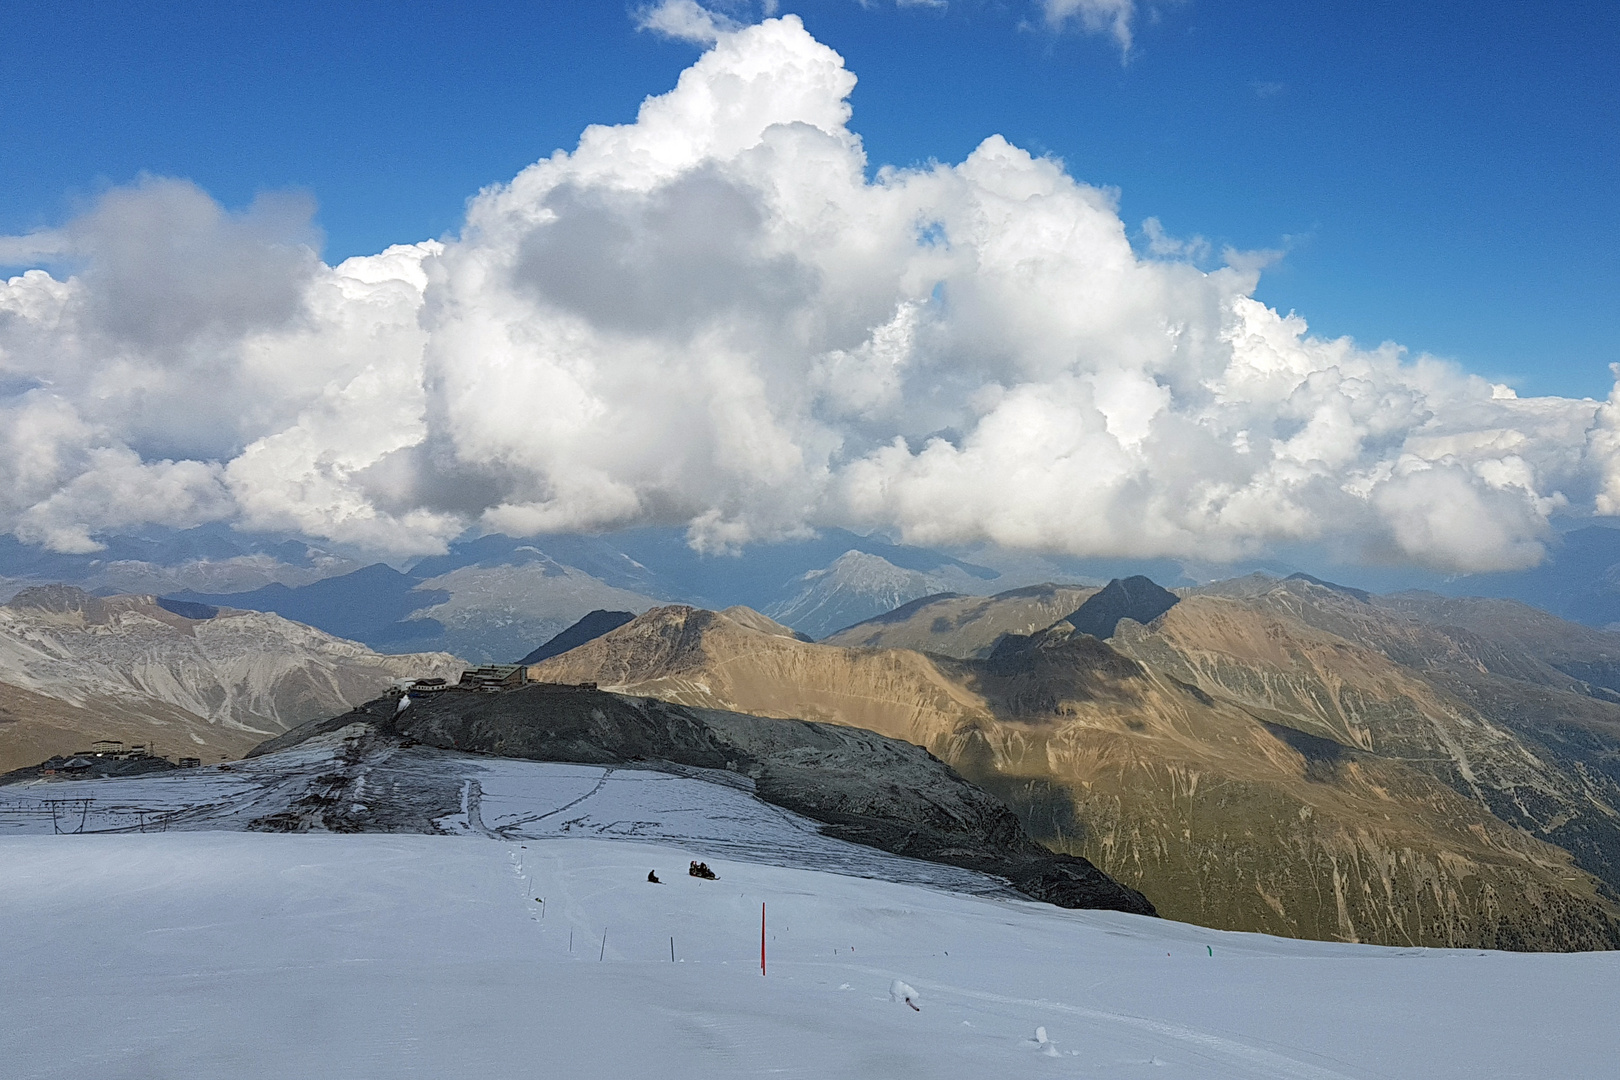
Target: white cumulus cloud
point(717, 316)
point(684, 20)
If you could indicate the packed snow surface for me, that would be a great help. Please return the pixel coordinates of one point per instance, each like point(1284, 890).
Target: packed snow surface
point(462, 794)
point(202, 954)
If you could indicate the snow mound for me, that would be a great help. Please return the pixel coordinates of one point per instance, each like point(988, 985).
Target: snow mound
point(903, 991)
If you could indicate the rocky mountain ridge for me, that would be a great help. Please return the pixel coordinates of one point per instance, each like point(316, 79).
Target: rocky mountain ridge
point(964, 626)
point(491, 599)
point(219, 565)
point(1237, 760)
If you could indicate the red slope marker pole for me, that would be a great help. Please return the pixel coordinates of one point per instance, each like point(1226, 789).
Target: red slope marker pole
point(762, 938)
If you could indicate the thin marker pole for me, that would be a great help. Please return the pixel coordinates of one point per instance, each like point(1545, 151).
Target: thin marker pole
point(672, 950)
point(762, 938)
point(604, 947)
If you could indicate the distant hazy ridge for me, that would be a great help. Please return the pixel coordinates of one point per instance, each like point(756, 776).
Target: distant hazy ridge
point(197, 682)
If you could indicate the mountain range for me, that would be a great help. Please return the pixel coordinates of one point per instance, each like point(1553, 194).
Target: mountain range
point(1285, 756)
point(493, 598)
point(187, 679)
point(209, 558)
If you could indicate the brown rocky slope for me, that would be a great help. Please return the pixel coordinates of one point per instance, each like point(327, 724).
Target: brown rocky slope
point(1242, 767)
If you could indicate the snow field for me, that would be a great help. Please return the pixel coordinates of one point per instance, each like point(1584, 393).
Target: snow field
point(714, 813)
point(244, 955)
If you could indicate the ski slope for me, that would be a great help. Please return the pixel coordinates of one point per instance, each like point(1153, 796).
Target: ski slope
point(220, 954)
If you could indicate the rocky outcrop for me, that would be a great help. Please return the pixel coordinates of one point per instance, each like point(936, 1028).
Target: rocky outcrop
point(865, 788)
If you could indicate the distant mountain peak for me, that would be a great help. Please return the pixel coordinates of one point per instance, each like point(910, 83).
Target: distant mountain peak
point(1137, 598)
point(856, 586)
point(1360, 594)
point(93, 610)
point(592, 626)
point(57, 599)
point(908, 609)
point(857, 563)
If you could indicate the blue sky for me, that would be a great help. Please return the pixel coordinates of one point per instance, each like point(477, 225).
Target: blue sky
point(708, 317)
point(1443, 175)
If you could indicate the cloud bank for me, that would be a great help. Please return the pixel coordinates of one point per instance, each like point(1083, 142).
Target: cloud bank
point(712, 317)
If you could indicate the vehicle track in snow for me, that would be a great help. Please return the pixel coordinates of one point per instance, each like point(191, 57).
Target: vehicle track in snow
point(509, 830)
point(1253, 1060)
